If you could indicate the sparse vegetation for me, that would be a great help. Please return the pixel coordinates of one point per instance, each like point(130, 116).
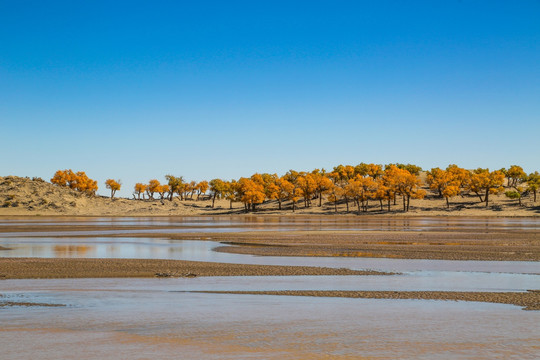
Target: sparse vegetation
point(364, 188)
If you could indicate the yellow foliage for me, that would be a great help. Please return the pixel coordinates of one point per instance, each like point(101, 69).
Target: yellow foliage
point(113, 185)
point(77, 181)
point(139, 189)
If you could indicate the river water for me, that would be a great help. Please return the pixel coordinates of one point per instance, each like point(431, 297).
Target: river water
point(167, 318)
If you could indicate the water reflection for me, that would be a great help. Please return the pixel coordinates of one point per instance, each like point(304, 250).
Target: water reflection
point(420, 274)
point(241, 223)
point(146, 318)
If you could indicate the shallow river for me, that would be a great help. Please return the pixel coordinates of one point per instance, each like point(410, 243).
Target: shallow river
point(165, 318)
point(122, 225)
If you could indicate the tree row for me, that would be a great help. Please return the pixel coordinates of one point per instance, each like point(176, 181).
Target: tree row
point(353, 186)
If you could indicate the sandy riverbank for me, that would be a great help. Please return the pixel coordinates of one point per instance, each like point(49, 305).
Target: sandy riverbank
point(529, 300)
point(448, 245)
point(39, 268)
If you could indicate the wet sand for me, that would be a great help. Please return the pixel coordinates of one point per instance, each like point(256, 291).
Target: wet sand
point(380, 244)
point(43, 268)
point(529, 300)
point(501, 246)
point(450, 238)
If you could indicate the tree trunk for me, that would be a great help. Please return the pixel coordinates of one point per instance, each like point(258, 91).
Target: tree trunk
point(320, 199)
point(293, 206)
point(213, 200)
point(380, 202)
point(404, 204)
point(388, 204)
point(487, 197)
point(534, 194)
point(447, 203)
point(480, 197)
point(347, 203)
point(408, 201)
point(279, 203)
point(335, 206)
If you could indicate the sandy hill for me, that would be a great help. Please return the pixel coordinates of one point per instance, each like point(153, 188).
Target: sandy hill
point(37, 194)
point(25, 196)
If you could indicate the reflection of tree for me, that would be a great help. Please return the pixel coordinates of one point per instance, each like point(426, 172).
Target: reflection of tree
point(71, 250)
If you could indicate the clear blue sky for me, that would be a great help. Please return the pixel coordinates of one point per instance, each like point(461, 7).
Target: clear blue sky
point(139, 89)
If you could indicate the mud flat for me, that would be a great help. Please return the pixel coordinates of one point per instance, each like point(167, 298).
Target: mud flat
point(529, 300)
point(41, 268)
point(443, 238)
point(448, 245)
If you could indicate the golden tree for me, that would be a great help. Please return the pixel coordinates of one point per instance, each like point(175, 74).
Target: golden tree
point(516, 178)
point(383, 193)
point(140, 189)
point(436, 179)
point(460, 176)
point(389, 180)
point(175, 185)
point(484, 181)
point(407, 185)
point(361, 189)
point(341, 176)
point(445, 182)
point(284, 190)
point(515, 175)
point(201, 188)
point(271, 189)
point(268, 181)
point(218, 188)
point(308, 186)
point(372, 170)
point(335, 193)
point(113, 185)
point(85, 184)
point(66, 178)
point(191, 189)
point(154, 186)
point(322, 184)
point(252, 193)
point(232, 192)
point(533, 183)
point(295, 195)
point(413, 169)
point(162, 190)
point(77, 181)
